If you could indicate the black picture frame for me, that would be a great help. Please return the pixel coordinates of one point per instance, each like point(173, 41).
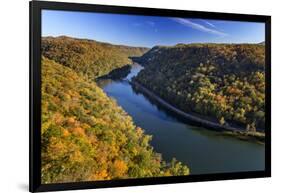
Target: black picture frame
point(35, 95)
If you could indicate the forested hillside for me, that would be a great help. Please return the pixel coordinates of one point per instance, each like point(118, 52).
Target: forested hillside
point(88, 57)
point(85, 134)
point(221, 82)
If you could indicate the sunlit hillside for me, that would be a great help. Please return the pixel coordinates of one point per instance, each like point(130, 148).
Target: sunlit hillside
point(86, 136)
point(221, 82)
point(88, 57)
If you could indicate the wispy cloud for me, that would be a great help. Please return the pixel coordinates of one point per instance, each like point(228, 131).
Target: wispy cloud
point(147, 24)
point(200, 27)
point(209, 23)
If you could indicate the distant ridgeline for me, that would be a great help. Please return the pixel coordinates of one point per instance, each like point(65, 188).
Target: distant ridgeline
point(89, 57)
point(86, 136)
point(220, 82)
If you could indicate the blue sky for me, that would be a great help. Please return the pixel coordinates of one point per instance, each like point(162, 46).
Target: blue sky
point(148, 31)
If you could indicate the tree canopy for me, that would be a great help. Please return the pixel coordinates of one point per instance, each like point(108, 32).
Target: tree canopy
point(221, 82)
point(88, 57)
point(86, 136)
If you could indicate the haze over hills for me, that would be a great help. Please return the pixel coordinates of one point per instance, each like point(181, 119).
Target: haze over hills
point(223, 81)
point(90, 57)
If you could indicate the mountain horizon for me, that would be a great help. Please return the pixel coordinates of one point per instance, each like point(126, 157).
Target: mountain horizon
point(177, 44)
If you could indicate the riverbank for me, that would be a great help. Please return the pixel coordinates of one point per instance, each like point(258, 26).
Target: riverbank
point(118, 73)
point(225, 129)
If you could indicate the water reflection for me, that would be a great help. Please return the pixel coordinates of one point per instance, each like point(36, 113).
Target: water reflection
point(204, 151)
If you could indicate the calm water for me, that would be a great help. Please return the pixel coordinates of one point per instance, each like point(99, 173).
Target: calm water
point(204, 151)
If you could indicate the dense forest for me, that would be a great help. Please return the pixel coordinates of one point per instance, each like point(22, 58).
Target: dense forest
point(88, 57)
point(86, 136)
point(221, 82)
point(118, 73)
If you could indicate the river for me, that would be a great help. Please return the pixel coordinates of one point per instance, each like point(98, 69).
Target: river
point(203, 150)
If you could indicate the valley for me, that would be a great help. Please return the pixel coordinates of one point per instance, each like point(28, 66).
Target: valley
point(97, 125)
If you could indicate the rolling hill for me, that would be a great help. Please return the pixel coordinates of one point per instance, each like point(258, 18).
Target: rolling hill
point(221, 82)
point(86, 136)
point(89, 57)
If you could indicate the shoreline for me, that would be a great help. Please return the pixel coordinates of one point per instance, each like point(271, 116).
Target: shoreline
point(225, 129)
